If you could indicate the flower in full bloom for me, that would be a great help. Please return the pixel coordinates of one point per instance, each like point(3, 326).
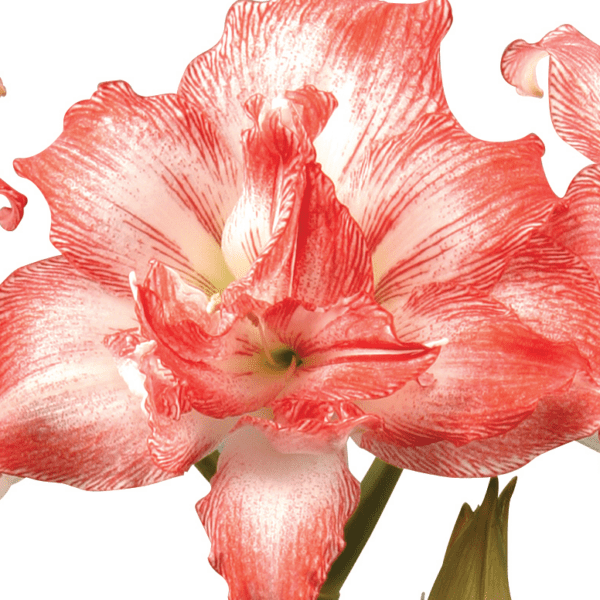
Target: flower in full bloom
point(299, 246)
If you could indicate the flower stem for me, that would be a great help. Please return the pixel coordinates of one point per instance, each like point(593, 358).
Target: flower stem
point(375, 490)
point(208, 465)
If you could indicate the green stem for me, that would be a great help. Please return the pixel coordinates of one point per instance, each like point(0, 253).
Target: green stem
point(375, 491)
point(208, 465)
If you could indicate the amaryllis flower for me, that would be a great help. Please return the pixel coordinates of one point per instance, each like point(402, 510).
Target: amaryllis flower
point(301, 245)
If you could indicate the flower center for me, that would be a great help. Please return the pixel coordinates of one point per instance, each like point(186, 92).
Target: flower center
point(284, 357)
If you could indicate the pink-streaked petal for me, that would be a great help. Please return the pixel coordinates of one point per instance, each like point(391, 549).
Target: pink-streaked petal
point(555, 293)
point(380, 60)
point(574, 85)
point(437, 205)
point(559, 418)
point(132, 179)
point(312, 427)
point(348, 351)
point(179, 436)
point(220, 363)
point(11, 216)
point(276, 520)
point(488, 377)
point(576, 223)
point(289, 236)
point(66, 414)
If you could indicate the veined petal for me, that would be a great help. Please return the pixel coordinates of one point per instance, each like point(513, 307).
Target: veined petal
point(66, 414)
point(559, 418)
point(489, 376)
point(132, 179)
point(437, 205)
point(219, 359)
point(576, 222)
point(574, 85)
point(304, 243)
point(11, 216)
point(179, 436)
point(275, 519)
point(380, 60)
point(348, 351)
point(554, 292)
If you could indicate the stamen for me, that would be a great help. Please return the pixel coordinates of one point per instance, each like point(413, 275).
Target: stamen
point(133, 284)
point(263, 339)
point(214, 301)
point(437, 343)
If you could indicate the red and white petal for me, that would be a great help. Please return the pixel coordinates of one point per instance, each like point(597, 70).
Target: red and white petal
point(554, 292)
point(380, 60)
point(132, 179)
point(576, 223)
point(275, 519)
point(66, 414)
point(178, 436)
point(437, 205)
point(10, 216)
point(574, 85)
point(177, 443)
point(559, 418)
point(218, 358)
point(488, 377)
point(304, 243)
point(348, 351)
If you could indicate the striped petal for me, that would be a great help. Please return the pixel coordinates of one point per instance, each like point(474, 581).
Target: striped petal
point(575, 224)
point(276, 513)
point(488, 378)
point(289, 236)
point(380, 60)
point(132, 179)
point(574, 85)
point(554, 293)
point(437, 205)
point(66, 413)
point(559, 418)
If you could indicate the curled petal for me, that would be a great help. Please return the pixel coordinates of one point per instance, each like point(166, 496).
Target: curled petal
point(132, 179)
point(179, 436)
point(66, 413)
point(489, 376)
point(437, 205)
point(218, 359)
point(559, 418)
point(289, 236)
point(380, 60)
point(574, 86)
point(11, 216)
point(275, 519)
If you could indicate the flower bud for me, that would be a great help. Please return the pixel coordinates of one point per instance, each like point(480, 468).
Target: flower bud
point(475, 566)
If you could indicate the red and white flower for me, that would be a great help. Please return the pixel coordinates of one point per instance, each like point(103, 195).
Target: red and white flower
point(319, 250)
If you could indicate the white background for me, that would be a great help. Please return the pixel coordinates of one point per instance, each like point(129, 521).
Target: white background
point(58, 542)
